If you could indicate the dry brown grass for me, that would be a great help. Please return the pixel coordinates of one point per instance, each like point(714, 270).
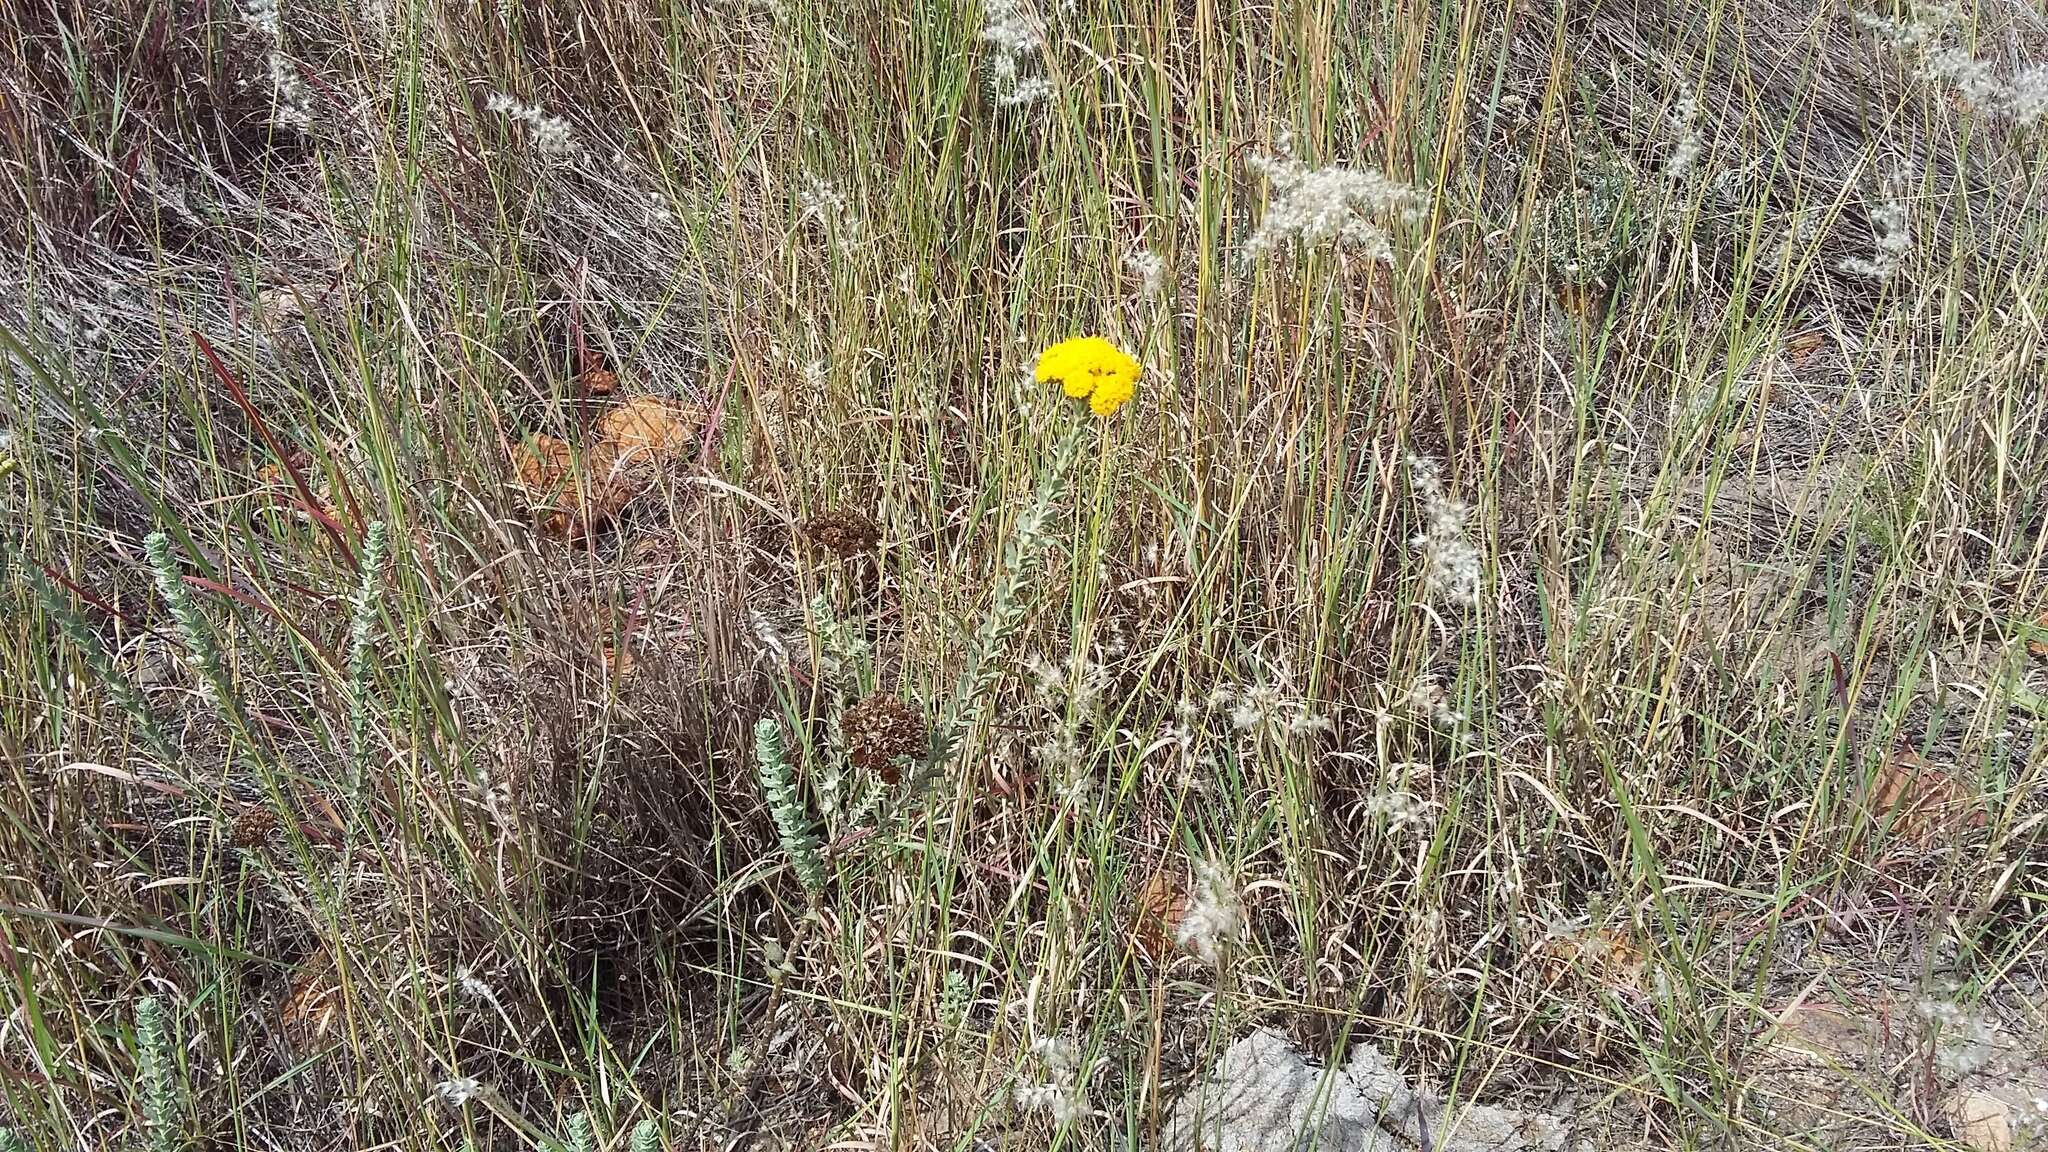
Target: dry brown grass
point(1758, 534)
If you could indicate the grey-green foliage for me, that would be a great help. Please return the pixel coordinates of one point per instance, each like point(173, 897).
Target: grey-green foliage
point(792, 821)
point(580, 1137)
point(101, 661)
point(646, 1136)
point(1007, 611)
point(157, 1067)
point(842, 648)
point(192, 626)
point(954, 1000)
point(1590, 229)
point(11, 1141)
point(362, 639)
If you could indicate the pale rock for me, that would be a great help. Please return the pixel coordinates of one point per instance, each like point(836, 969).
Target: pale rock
point(1983, 1120)
point(1261, 1097)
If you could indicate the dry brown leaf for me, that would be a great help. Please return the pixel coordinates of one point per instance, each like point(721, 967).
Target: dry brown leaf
point(275, 485)
point(1826, 1031)
point(546, 468)
point(619, 661)
point(1579, 301)
point(2038, 646)
point(597, 382)
point(1600, 954)
point(543, 464)
point(1802, 347)
point(314, 1004)
point(645, 426)
point(577, 496)
point(271, 474)
point(283, 305)
point(1920, 801)
point(1162, 903)
point(567, 505)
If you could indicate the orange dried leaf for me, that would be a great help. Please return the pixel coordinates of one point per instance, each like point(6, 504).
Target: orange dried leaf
point(1580, 301)
point(1602, 955)
point(619, 661)
point(1162, 903)
point(275, 484)
point(2038, 645)
point(645, 427)
point(575, 496)
point(543, 464)
point(547, 469)
point(1802, 347)
point(1919, 800)
point(314, 1003)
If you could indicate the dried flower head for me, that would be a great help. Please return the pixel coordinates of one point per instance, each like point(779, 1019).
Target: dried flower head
point(1016, 39)
point(1891, 235)
point(1686, 143)
point(1924, 41)
point(1058, 1093)
point(844, 534)
point(551, 135)
point(878, 730)
point(1093, 369)
point(459, 1091)
point(253, 826)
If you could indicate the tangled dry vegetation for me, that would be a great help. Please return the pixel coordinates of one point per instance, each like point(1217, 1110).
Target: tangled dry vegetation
point(545, 604)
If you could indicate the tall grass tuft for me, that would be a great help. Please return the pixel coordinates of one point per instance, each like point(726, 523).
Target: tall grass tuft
point(122, 692)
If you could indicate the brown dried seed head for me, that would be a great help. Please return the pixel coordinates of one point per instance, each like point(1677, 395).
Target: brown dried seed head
point(252, 827)
point(844, 534)
point(880, 728)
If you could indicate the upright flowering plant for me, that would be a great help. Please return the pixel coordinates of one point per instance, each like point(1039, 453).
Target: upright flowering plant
point(1093, 369)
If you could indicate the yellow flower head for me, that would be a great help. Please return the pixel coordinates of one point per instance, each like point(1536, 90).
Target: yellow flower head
point(1092, 369)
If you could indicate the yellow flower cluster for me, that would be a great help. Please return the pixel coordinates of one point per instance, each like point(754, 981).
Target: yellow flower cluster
point(1092, 369)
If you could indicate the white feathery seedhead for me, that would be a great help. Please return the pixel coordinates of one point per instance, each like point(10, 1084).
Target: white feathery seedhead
point(459, 1091)
point(1016, 38)
point(550, 135)
point(1214, 919)
point(1329, 206)
point(1451, 561)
